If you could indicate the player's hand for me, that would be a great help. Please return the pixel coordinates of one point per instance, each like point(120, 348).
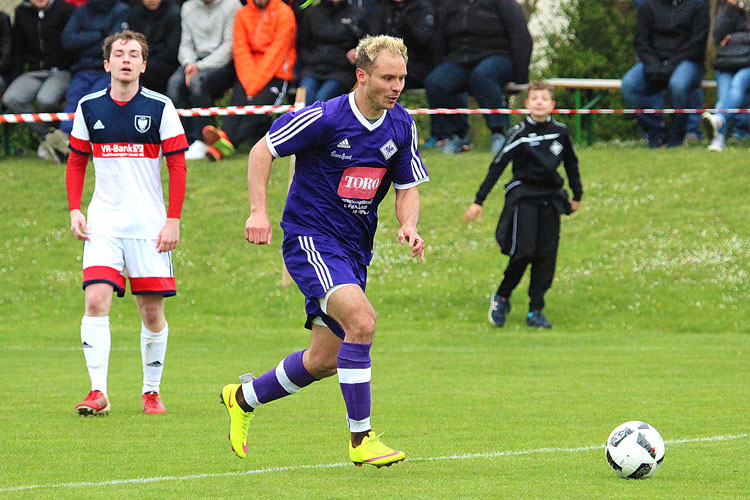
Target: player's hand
point(474, 212)
point(169, 236)
point(574, 205)
point(258, 229)
point(416, 243)
point(78, 225)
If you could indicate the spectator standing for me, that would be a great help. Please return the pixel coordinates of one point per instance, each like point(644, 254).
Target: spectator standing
point(159, 21)
point(206, 70)
point(264, 57)
point(731, 32)
point(326, 41)
point(42, 63)
point(670, 44)
point(84, 35)
point(482, 46)
point(414, 22)
point(529, 227)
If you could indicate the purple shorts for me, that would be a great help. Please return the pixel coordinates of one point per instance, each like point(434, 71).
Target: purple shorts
point(316, 264)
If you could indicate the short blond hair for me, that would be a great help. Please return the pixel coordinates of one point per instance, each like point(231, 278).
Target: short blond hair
point(370, 47)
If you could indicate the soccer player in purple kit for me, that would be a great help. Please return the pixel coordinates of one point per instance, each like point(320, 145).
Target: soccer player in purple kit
point(349, 151)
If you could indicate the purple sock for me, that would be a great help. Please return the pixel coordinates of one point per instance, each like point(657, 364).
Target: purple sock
point(287, 378)
point(353, 363)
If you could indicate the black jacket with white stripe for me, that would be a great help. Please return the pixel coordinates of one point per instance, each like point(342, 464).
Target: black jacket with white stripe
point(536, 150)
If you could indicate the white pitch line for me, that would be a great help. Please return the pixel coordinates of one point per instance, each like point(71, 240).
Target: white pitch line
point(491, 454)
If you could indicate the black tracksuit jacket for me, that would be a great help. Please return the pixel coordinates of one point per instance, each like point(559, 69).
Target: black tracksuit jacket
point(671, 31)
point(536, 150)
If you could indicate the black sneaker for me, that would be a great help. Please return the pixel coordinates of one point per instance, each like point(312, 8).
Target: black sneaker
point(537, 319)
point(498, 309)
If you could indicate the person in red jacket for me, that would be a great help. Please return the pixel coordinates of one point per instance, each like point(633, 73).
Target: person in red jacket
point(264, 57)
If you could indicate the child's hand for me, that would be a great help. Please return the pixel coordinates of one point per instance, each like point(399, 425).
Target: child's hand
point(574, 205)
point(474, 212)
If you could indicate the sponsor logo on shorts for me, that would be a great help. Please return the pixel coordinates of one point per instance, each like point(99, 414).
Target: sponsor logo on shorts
point(360, 182)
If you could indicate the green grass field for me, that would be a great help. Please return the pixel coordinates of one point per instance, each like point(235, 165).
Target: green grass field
point(650, 311)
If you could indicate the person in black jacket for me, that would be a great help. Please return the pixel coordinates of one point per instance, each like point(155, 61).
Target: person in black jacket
point(670, 42)
point(482, 46)
point(731, 30)
point(41, 62)
point(529, 227)
point(327, 36)
point(6, 55)
point(159, 21)
point(414, 22)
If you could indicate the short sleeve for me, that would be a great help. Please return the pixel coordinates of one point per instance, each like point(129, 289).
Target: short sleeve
point(297, 131)
point(171, 133)
point(80, 140)
point(409, 169)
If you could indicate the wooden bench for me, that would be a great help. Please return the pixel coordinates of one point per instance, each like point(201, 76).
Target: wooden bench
point(589, 86)
point(579, 86)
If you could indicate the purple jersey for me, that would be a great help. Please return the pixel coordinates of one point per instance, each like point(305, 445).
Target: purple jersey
point(345, 167)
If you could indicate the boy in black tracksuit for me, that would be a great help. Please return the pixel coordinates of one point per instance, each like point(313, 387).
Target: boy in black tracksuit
point(529, 227)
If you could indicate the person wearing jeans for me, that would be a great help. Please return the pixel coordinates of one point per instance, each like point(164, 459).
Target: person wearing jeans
point(670, 43)
point(480, 46)
point(732, 28)
point(641, 92)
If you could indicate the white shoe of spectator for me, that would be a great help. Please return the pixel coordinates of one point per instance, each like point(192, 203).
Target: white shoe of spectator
point(712, 124)
point(196, 151)
point(717, 143)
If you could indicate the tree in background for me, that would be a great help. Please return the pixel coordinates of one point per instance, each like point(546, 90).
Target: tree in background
point(598, 43)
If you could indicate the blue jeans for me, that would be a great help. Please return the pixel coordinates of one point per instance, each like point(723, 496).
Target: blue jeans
point(321, 90)
point(205, 87)
point(82, 83)
point(447, 83)
point(638, 92)
point(733, 90)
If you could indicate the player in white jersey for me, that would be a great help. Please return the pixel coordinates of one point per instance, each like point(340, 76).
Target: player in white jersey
point(127, 129)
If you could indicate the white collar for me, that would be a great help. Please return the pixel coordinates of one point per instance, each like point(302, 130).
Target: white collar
point(364, 121)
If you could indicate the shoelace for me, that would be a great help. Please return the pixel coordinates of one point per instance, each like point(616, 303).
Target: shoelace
point(377, 446)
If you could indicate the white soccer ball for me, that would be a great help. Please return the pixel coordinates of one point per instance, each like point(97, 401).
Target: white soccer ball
point(635, 450)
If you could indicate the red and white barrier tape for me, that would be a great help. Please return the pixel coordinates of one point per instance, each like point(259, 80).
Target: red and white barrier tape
point(263, 110)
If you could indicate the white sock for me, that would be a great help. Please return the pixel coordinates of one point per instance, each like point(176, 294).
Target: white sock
point(96, 342)
point(153, 352)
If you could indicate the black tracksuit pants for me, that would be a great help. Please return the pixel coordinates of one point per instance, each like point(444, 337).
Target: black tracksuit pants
point(536, 234)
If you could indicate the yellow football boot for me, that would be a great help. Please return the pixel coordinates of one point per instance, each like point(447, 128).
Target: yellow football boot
point(239, 419)
point(372, 451)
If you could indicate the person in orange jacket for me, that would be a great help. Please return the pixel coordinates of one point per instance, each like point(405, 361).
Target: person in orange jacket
point(264, 57)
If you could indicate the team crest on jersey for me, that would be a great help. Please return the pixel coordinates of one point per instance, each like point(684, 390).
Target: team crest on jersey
point(142, 123)
point(556, 148)
point(388, 149)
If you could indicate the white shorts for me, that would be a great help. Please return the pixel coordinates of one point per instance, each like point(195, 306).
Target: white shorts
point(105, 259)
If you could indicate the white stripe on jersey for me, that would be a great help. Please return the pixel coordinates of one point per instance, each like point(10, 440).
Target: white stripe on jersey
point(536, 138)
point(154, 95)
point(295, 126)
point(315, 260)
point(417, 168)
point(93, 95)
